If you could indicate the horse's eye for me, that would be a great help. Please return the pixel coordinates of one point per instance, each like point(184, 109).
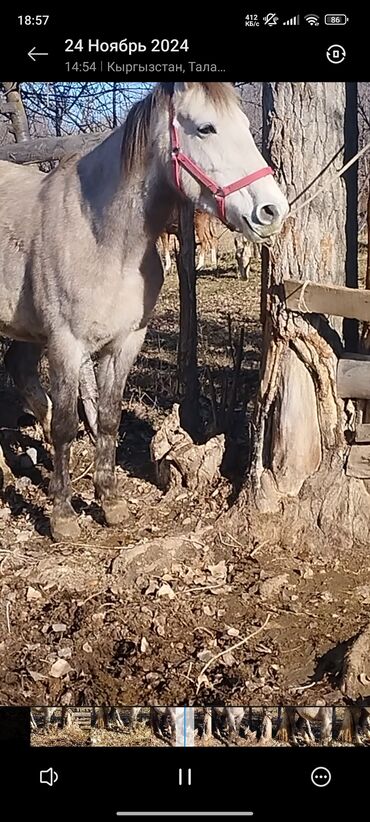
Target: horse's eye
point(208, 128)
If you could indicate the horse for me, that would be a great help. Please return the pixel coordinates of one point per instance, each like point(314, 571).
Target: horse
point(205, 229)
point(163, 722)
point(288, 729)
point(228, 720)
point(355, 722)
point(79, 269)
point(65, 721)
point(245, 252)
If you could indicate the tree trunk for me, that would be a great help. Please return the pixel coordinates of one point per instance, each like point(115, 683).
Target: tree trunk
point(301, 426)
point(18, 115)
point(187, 360)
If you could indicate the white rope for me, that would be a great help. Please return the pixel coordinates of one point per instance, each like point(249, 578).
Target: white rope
point(302, 305)
point(336, 176)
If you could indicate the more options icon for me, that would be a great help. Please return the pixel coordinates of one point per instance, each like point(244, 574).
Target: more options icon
point(321, 777)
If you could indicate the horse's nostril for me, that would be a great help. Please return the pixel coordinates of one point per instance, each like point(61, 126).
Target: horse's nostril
point(267, 213)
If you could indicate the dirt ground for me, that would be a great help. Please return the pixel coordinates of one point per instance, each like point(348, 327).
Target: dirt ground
point(141, 613)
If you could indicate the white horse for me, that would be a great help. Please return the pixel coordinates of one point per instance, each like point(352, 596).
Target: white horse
point(79, 269)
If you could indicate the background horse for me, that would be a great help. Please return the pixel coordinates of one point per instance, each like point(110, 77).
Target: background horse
point(205, 229)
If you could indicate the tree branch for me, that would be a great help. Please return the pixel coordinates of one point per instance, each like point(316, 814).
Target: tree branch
point(43, 149)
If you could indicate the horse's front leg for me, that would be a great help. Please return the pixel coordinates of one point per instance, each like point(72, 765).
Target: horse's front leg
point(65, 356)
point(112, 372)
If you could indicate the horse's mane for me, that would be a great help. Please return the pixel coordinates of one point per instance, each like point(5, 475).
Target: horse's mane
point(136, 126)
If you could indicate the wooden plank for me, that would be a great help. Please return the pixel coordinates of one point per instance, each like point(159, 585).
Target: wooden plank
point(362, 432)
point(327, 299)
point(358, 464)
point(353, 378)
point(349, 355)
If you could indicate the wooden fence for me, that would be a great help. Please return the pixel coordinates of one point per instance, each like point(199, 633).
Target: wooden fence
point(353, 369)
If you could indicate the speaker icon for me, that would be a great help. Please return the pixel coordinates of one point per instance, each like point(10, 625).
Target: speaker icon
point(49, 777)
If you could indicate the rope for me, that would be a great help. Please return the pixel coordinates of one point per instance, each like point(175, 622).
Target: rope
point(336, 176)
point(302, 306)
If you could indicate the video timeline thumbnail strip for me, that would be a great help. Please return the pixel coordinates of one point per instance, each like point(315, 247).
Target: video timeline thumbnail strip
point(186, 727)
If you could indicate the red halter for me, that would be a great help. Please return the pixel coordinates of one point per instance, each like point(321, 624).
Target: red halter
point(181, 160)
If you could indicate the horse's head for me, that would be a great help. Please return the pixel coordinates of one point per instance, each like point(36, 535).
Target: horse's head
point(212, 148)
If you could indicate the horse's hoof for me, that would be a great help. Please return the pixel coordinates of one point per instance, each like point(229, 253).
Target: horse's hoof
point(346, 736)
point(115, 511)
point(282, 736)
point(64, 529)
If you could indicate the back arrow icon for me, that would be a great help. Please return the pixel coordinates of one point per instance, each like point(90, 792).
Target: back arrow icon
point(33, 54)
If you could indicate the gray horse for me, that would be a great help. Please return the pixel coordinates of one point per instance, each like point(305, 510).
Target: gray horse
point(288, 728)
point(79, 269)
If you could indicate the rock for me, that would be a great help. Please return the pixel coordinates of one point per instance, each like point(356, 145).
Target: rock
point(32, 455)
point(33, 594)
point(76, 573)
point(147, 558)
point(218, 571)
point(271, 587)
point(24, 536)
point(60, 668)
point(166, 591)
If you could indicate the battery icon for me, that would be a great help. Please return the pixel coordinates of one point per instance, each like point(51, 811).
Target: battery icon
point(336, 19)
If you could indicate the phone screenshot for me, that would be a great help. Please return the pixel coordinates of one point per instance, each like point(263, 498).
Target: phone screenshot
point(185, 412)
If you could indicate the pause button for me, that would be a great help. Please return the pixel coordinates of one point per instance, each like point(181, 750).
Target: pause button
point(184, 776)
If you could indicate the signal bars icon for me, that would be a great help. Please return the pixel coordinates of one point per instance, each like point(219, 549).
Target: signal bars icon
point(293, 21)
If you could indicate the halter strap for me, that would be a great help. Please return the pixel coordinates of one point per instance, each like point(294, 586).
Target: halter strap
point(181, 160)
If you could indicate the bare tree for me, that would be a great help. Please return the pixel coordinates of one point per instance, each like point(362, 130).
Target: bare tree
point(301, 426)
point(14, 110)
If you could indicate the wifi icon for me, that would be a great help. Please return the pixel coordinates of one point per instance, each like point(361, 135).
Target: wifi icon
point(312, 19)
